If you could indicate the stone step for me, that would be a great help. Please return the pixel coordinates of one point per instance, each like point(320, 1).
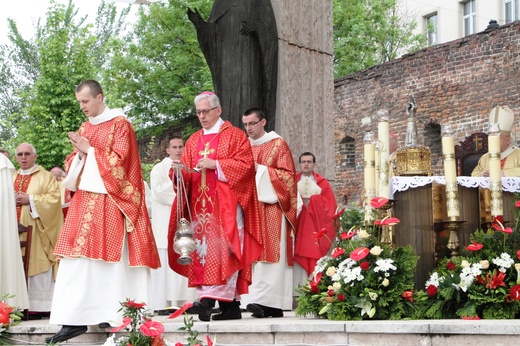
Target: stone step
point(297, 331)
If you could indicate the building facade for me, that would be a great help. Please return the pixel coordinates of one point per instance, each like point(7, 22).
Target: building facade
point(448, 20)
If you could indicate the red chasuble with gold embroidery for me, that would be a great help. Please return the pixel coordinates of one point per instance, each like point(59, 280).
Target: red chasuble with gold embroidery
point(213, 206)
point(96, 223)
point(313, 218)
point(277, 157)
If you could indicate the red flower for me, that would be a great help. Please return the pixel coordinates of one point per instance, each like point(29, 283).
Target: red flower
point(517, 204)
point(514, 293)
point(209, 341)
point(179, 344)
point(432, 290)
point(496, 280)
point(133, 304)
point(365, 265)
point(183, 308)
point(152, 328)
point(391, 221)
point(337, 252)
point(313, 284)
point(408, 295)
point(319, 234)
point(450, 266)
point(338, 214)
point(5, 310)
point(330, 293)
point(348, 235)
point(126, 322)
point(470, 318)
point(474, 247)
point(378, 202)
point(359, 253)
point(158, 341)
point(518, 254)
point(341, 297)
point(498, 224)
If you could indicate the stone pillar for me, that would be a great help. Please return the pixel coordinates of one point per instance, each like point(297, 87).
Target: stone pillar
point(304, 108)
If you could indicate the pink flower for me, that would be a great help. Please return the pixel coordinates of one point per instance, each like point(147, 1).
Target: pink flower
point(391, 221)
point(470, 318)
point(126, 322)
point(337, 252)
point(517, 204)
point(378, 202)
point(518, 254)
point(359, 253)
point(498, 224)
point(474, 247)
point(152, 328)
point(209, 341)
point(183, 308)
point(408, 295)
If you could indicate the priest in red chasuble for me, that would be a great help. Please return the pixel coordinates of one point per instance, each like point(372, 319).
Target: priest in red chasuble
point(38, 204)
point(106, 245)
point(318, 210)
point(219, 176)
point(272, 288)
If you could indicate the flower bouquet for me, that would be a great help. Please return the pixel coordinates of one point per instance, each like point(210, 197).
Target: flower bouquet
point(9, 316)
point(362, 278)
point(143, 331)
point(482, 283)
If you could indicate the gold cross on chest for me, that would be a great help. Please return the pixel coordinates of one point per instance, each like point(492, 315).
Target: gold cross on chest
point(205, 154)
point(206, 150)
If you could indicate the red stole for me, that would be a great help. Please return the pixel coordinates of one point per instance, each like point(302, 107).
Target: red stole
point(21, 184)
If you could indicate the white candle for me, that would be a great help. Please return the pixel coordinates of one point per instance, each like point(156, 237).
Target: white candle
point(495, 175)
point(450, 174)
point(383, 134)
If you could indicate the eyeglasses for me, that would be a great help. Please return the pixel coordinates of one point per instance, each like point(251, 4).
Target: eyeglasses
point(251, 124)
point(304, 162)
point(204, 111)
point(24, 154)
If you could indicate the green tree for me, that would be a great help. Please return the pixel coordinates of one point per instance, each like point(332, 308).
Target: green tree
point(369, 33)
point(158, 72)
point(65, 51)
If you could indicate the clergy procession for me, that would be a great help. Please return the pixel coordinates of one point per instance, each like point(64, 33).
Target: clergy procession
point(97, 239)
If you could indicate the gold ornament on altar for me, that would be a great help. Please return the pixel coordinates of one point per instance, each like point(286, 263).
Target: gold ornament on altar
point(413, 159)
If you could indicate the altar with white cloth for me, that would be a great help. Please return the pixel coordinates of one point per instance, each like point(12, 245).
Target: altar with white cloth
point(420, 205)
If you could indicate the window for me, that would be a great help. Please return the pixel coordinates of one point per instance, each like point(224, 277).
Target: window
point(511, 10)
point(470, 25)
point(431, 28)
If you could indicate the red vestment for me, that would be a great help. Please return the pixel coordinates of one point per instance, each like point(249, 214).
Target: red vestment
point(277, 158)
point(213, 206)
point(313, 218)
point(96, 222)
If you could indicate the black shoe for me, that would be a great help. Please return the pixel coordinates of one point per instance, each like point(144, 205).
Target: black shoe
point(166, 312)
point(233, 314)
point(104, 325)
point(230, 311)
point(205, 307)
point(261, 311)
point(66, 333)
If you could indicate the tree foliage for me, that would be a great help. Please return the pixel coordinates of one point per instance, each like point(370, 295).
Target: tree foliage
point(45, 71)
point(369, 33)
point(162, 67)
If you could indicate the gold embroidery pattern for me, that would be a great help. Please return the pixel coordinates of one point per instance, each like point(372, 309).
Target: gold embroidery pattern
point(86, 225)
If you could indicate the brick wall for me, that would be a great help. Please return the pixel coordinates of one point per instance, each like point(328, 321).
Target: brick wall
point(458, 82)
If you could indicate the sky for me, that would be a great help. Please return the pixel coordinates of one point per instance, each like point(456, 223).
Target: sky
point(27, 12)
